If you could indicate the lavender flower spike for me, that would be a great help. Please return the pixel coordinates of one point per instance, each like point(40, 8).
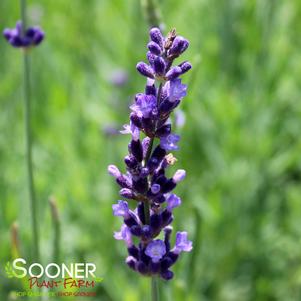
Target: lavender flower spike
point(23, 38)
point(146, 181)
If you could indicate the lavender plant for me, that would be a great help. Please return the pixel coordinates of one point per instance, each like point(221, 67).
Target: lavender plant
point(25, 38)
point(146, 181)
point(21, 37)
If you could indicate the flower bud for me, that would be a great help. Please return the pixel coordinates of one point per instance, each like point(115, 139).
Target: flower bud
point(145, 70)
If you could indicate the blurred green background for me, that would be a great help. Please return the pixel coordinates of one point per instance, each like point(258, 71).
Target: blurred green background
point(240, 144)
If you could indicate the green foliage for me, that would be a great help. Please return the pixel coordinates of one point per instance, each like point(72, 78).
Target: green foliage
point(240, 145)
point(9, 270)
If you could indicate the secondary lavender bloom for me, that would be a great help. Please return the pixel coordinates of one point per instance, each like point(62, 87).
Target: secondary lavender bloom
point(23, 38)
point(173, 201)
point(182, 243)
point(169, 142)
point(121, 209)
point(131, 129)
point(114, 171)
point(124, 234)
point(146, 180)
point(119, 78)
point(180, 118)
point(179, 175)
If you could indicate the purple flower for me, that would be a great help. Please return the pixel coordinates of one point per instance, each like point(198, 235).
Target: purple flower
point(173, 201)
point(179, 175)
point(127, 193)
point(145, 70)
point(119, 78)
point(174, 73)
point(124, 234)
point(185, 66)
point(114, 171)
point(156, 250)
point(159, 66)
point(182, 243)
point(154, 48)
point(179, 45)
point(156, 36)
point(175, 90)
point(121, 209)
point(146, 181)
point(32, 36)
point(131, 129)
point(131, 262)
point(155, 188)
point(144, 105)
point(169, 142)
point(180, 118)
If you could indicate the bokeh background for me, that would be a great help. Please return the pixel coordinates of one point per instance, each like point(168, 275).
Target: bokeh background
point(240, 144)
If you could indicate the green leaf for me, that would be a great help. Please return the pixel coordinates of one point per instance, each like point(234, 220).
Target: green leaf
point(9, 270)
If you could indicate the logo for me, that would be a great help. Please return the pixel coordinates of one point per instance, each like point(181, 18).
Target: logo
point(72, 276)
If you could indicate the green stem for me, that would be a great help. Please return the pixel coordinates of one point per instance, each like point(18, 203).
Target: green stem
point(152, 12)
point(56, 229)
point(155, 289)
point(28, 140)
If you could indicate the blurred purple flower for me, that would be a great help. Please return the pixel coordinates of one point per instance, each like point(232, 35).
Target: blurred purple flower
point(23, 38)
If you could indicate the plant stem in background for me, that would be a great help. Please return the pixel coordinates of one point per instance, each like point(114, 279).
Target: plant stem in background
point(28, 140)
point(197, 241)
point(155, 289)
point(15, 244)
point(56, 228)
point(152, 13)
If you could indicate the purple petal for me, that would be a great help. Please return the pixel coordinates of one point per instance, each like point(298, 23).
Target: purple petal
point(179, 45)
point(155, 250)
point(154, 48)
point(185, 66)
point(182, 243)
point(7, 33)
point(169, 142)
point(173, 201)
point(159, 66)
point(38, 37)
point(124, 234)
point(121, 209)
point(131, 129)
point(179, 175)
point(174, 73)
point(155, 188)
point(156, 36)
point(114, 171)
point(180, 118)
point(144, 105)
point(19, 28)
point(145, 70)
point(150, 88)
point(176, 90)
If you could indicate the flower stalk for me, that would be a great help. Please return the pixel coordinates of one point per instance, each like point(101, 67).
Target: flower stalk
point(28, 140)
point(25, 38)
point(155, 289)
point(152, 13)
point(146, 181)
